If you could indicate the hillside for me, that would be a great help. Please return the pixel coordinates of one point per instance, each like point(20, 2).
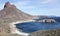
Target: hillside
point(10, 14)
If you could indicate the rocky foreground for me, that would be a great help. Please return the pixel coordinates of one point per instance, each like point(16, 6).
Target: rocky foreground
point(46, 33)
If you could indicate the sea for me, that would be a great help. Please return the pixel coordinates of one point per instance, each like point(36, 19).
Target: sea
point(29, 27)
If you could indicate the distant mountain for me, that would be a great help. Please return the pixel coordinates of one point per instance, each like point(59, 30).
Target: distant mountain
point(49, 17)
point(11, 13)
point(56, 18)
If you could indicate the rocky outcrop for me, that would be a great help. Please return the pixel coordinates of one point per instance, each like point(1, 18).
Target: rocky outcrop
point(47, 21)
point(8, 5)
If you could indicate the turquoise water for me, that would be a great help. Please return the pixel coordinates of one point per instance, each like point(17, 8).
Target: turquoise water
point(30, 27)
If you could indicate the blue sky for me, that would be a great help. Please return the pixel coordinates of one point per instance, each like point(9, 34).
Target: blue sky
point(36, 7)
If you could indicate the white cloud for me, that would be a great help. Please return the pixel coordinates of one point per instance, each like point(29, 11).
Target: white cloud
point(47, 1)
point(28, 7)
point(1, 6)
point(20, 3)
point(23, 5)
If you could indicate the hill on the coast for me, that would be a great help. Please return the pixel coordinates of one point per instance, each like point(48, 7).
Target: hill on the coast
point(10, 14)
